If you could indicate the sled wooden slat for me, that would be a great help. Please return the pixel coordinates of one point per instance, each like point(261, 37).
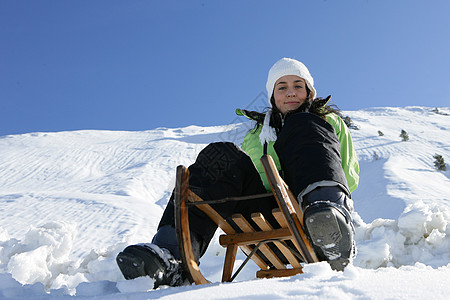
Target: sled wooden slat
point(258, 218)
point(254, 237)
point(278, 273)
point(276, 212)
point(279, 216)
point(246, 227)
point(251, 240)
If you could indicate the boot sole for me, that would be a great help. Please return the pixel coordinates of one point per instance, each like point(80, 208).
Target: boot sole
point(326, 230)
point(130, 265)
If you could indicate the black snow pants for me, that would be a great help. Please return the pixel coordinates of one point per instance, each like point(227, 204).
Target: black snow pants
point(309, 152)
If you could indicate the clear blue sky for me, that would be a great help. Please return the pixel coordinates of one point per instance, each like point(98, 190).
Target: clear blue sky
point(137, 65)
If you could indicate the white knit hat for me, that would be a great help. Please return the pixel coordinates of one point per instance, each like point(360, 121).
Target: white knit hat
point(289, 66)
point(283, 67)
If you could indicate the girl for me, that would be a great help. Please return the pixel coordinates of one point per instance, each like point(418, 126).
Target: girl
point(313, 151)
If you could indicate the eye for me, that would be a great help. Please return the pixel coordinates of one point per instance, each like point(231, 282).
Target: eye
point(281, 88)
point(299, 86)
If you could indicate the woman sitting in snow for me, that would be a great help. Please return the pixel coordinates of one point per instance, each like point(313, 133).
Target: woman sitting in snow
point(312, 149)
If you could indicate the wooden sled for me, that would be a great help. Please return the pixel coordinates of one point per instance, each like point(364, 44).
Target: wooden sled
point(250, 240)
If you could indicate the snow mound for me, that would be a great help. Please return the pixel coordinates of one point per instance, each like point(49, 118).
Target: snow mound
point(421, 234)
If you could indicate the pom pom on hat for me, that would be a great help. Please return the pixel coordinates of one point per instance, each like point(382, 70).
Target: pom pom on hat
point(289, 66)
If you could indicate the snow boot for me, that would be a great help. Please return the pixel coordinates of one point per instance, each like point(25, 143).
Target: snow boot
point(151, 260)
point(329, 226)
point(161, 259)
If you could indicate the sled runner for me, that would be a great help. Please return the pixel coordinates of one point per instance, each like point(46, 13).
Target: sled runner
point(290, 239)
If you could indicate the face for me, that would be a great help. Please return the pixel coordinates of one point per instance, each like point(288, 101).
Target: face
point(289, 93)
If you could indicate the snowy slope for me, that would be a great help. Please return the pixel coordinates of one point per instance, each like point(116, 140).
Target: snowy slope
point(70, 201)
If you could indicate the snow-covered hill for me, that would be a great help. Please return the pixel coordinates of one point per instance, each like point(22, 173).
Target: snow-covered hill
point(70, 201)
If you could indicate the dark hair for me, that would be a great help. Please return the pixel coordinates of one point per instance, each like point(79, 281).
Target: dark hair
point(318, 106)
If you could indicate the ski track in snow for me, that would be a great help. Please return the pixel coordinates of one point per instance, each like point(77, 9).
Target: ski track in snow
point(70, 201)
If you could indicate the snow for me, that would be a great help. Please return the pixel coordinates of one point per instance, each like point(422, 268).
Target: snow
point(71, 201)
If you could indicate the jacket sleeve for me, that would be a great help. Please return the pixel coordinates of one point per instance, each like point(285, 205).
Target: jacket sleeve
point(348, 154)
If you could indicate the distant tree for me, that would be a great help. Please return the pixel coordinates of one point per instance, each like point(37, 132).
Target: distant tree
point(404, 135)
point(439, 162)
point(380, 133)
point(376, 156)
point(349, 122)
point(437, 111)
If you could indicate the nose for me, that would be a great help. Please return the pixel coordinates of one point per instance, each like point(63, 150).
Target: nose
point(291, 93)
